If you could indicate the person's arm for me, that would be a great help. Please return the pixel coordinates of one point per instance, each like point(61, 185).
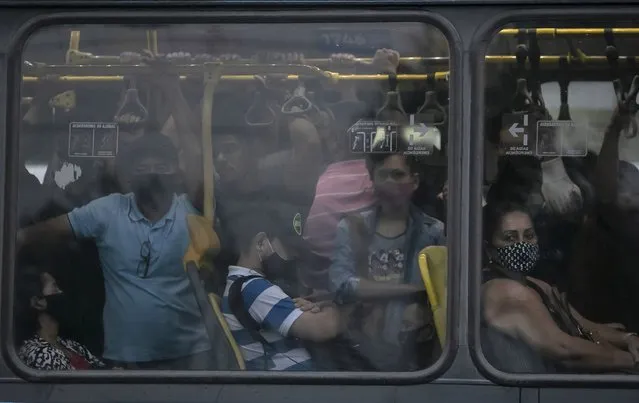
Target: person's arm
point(439, 232)
point(306, 158)
point(88, 221)
point(612, 334)
point(276, 311)
point(519, 312)
point(189, 142)
point(317, 326)
point(605, 178)
point(344, 280)
point(182, 127)
point(57, 229)
point(39, 107)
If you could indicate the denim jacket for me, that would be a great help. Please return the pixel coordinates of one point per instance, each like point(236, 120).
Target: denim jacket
point(423, 230)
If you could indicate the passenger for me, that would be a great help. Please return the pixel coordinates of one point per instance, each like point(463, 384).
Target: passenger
point(151, 317)
point(606, 264)
point(345, 187)
point(376, 251)
point(556, 203)
point(267, 323)
point(44, 312)
point(32, 196)
point(287, 178)
point(525, 308)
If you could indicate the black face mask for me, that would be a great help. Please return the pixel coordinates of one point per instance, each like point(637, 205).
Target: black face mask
point(152, 189)
point(277, 268)
point(59, 306)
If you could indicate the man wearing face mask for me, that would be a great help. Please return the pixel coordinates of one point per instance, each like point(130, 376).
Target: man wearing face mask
point(267, 323)
point(376, 251)
point(151, 317)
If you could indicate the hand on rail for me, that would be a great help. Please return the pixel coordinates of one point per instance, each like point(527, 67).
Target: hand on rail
point(130, 58)
point(624, 114)
point(343, 63)
point(386, 60)
point(179, 58)
point(279, 58)
point(162, 77)
point(228, 57)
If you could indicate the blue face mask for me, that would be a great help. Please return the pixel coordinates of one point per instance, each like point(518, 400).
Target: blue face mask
point(520, 257)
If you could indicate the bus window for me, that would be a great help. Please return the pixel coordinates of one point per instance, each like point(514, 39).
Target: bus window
point(561, 187)
point(233, 197)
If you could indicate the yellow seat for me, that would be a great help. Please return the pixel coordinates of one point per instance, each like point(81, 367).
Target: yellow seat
point(433, 266)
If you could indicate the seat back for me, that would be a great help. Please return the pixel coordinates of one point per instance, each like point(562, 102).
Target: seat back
point(433, 266)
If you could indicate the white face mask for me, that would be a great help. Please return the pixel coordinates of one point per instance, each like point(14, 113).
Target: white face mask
point(561, 194)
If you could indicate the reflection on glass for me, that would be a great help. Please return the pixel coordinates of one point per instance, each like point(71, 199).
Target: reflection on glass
point(263, 213)
point(558, 276)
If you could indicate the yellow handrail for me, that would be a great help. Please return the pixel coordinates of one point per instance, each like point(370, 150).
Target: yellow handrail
point(569, 31)
point(440, 75)
point(152, 41)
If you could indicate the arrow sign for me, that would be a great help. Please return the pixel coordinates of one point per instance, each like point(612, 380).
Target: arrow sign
point(515, 129)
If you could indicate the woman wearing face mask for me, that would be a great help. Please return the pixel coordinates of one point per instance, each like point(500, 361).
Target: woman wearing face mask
point(536, 313)
point(47, 310)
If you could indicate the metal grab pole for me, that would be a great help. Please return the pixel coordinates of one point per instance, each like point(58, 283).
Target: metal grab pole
point(211, 79)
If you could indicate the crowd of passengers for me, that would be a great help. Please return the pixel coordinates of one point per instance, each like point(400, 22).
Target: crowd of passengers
point(318, 246)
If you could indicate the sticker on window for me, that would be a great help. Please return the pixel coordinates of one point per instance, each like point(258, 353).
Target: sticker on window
point(515, 136)
point(561, 138)
point(421, 139)
point(372, 136)
point(93, 139)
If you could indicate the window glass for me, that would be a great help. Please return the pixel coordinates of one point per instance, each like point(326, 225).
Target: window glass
point(561, 191)
point(233, 197)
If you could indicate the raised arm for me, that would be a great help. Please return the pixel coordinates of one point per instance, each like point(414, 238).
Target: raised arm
point(306, 158)
point(519, 312)
point(607, 169)
point(182, 126)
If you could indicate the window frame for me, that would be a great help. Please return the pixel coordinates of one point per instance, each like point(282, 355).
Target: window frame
point(482, 40)
point(246, 15)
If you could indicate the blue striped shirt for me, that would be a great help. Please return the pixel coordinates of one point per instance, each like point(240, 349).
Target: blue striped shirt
point(275, 312)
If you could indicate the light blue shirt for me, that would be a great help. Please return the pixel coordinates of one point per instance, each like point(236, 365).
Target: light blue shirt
point(152, 318)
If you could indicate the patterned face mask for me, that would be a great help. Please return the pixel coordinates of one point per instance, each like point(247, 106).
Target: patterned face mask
point(519, 257)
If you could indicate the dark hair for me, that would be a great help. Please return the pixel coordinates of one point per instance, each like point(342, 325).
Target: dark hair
point(494, 213)
point(249, 222)
point(28, 285)
point(153, 144)
point(517, 178)
point(373, 160)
